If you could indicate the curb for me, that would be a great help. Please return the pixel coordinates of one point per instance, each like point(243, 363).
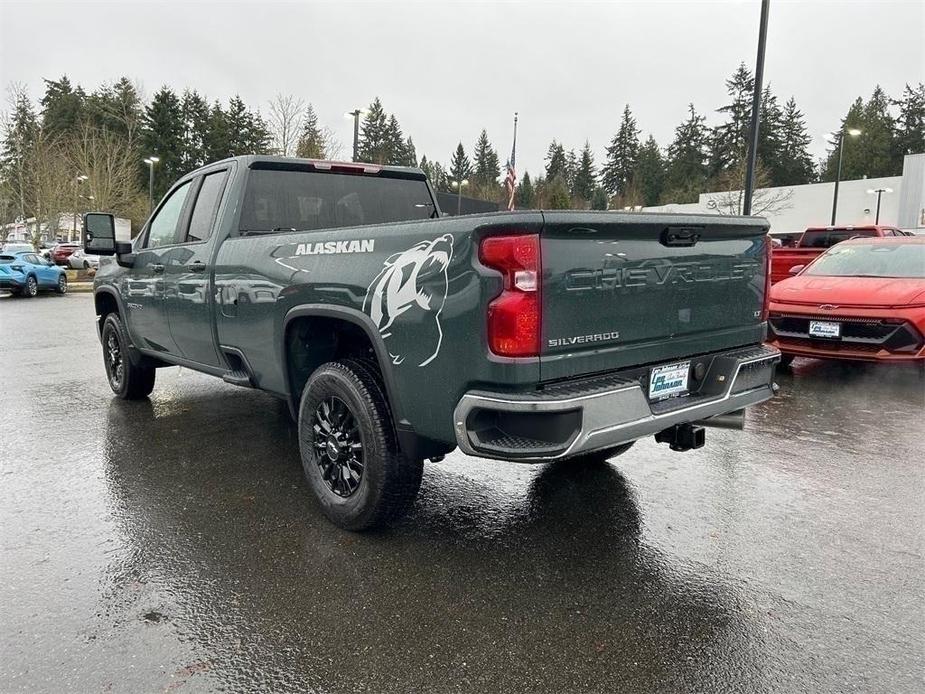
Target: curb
point(79, 287)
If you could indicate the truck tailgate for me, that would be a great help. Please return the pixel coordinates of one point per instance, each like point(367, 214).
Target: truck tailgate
point(628, 289)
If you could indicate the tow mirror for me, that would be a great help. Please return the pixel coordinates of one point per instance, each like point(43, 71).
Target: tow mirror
point(99, 233)
point(796, 269)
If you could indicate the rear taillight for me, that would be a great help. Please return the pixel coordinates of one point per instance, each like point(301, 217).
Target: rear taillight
point(766, 305)
point(514, 316)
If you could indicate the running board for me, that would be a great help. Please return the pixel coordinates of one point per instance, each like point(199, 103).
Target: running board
point(240, 372)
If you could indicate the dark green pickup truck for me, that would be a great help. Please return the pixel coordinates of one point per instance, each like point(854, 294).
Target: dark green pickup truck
point(396, 334)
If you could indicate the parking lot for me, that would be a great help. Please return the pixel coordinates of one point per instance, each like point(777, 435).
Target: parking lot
point(172, 544)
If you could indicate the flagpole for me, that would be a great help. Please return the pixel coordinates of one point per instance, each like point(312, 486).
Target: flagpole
point(512, 176)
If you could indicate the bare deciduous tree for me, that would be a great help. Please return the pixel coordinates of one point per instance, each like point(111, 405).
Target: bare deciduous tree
point(286, 112)
point(47, 185)
point(111, 168)
point(765, 201)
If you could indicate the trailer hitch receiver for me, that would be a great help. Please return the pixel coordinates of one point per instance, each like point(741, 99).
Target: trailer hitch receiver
point(682, 437)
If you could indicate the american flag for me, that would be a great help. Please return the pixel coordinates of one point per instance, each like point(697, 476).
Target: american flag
point(510, 180)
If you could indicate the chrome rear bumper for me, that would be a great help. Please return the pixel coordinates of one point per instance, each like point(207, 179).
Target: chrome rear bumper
point(571, 418)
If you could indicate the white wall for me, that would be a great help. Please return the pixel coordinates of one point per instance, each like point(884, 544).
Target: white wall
point(811, 205)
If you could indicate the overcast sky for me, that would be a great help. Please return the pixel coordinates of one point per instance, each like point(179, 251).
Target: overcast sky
point(449, 69)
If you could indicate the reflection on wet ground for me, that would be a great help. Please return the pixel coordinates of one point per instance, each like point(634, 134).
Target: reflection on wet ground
point(172, 544)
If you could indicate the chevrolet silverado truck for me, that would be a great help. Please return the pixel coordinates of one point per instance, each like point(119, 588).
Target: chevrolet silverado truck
point(789, 260)
point(396, 335)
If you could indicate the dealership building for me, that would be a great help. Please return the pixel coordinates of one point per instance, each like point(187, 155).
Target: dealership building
point(794, 208)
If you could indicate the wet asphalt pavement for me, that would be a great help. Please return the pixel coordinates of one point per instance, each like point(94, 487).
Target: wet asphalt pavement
point(172, 545)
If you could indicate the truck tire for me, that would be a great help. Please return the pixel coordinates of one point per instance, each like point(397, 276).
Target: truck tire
point(128, 381)
point(602, 456)
point(348, 448)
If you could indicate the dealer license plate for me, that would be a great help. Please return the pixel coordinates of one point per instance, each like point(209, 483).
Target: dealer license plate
point(668, 380)
point(822, 328)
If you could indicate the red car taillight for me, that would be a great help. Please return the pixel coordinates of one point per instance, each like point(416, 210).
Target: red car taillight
point(766, 306)
point(514, 316)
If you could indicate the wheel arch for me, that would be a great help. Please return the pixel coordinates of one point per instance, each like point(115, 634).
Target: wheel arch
point(329, 319)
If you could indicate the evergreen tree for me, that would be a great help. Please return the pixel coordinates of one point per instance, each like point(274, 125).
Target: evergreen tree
point(460, 166)
point(194, 112)
point(586, 176)
point(374, 135)
point(20, 132)
point(770, 137)
point(62, 107)
point(436, 174)
point(525, 195)
point(163, 137)
point(116, 109)
point(873, 152)
point(622, 155)
point(394, 143)
point(485, 164)
point(409, 153)
point(571, 170)
point(312, 143)
point(599, 199)
point(729, 142)
point(910, 125)
point(649, 174)
point(556, 162)
point(216, 140)
point(796, 164)
point(851, 163)
point(687, 160)
point(557, 194)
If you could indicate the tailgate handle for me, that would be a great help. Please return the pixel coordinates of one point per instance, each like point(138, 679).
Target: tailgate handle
point(681, 236)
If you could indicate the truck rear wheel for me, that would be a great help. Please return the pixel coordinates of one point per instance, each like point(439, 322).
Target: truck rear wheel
point(128, 381)
point(348, 448)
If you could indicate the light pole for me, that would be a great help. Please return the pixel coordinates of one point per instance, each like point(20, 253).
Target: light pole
point(77, 181)
point(355, 114)
point(458, 185)
point(756, 108)
point(879, 192)
point(854, 132)
point(151, 161)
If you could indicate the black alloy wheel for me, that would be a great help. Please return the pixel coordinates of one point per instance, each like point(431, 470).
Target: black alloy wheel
point(338, 446)
point(115, 367)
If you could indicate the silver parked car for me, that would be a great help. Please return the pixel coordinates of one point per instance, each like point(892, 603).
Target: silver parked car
point(79, 260)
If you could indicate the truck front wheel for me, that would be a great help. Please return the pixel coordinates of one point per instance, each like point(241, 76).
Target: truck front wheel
point(349, 453)
point(128, 381)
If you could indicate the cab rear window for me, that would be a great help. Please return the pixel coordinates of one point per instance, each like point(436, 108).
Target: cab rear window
point(826, 238)
point(6, 259)
point(284, 200)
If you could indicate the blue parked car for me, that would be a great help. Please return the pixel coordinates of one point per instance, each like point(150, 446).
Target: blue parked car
point(25, 273)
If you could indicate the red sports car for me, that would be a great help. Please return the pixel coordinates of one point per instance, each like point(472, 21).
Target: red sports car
point(863, 299)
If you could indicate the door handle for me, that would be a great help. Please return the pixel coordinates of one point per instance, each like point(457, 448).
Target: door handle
point(198, 266)
point(157, 267)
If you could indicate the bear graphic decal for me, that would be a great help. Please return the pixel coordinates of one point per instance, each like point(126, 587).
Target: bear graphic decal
point(413, 284)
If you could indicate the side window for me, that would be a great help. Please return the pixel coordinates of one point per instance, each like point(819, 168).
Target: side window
point(210, 194)
point(163, 229)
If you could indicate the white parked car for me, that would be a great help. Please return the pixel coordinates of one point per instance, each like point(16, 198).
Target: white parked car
point(79, 260)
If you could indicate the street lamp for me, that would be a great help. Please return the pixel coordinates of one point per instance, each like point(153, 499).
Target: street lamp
point(151, 161)
point(879, 192)
point(458, 185)
point(77, 181)
point(854, 132)
point(355, 114)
